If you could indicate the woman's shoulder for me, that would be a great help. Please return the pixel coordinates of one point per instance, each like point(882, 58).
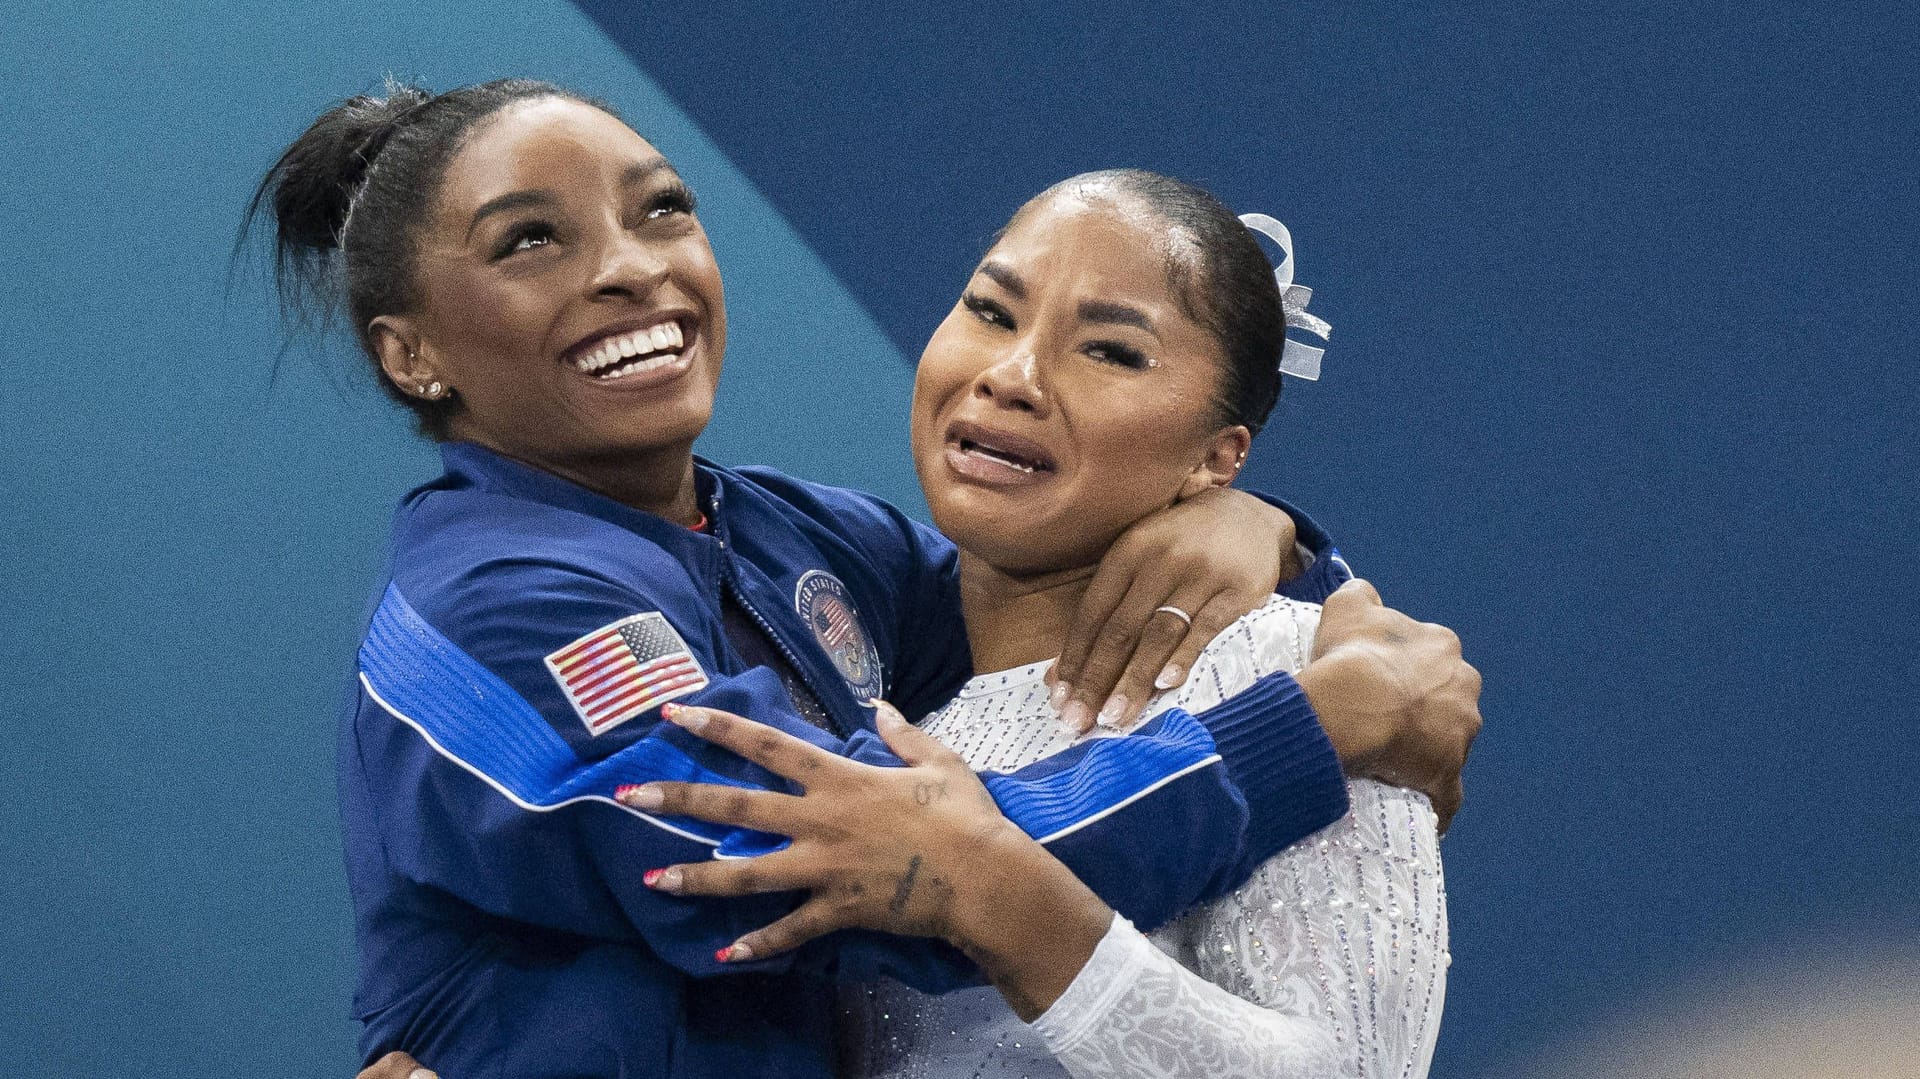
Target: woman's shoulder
point(1273, 637)
point(469, 557)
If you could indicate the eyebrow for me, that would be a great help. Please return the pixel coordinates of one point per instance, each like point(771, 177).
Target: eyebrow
point(514, 200)
point(1002, 274)
point(1116, 314)
point(1101, 311)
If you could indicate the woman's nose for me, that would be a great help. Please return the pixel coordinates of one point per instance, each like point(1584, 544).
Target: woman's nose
point(627, 268)
point(1014, 383)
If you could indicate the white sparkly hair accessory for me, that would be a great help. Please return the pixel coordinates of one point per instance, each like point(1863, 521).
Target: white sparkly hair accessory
point(1299, 360)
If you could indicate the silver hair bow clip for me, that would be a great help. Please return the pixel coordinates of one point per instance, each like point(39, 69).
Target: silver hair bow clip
point(1296, 359)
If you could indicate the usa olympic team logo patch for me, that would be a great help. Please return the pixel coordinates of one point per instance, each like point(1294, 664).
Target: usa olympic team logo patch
point(824, 604)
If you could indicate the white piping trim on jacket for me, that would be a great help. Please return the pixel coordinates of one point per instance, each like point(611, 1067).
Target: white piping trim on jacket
point(1130, 799)
point(512, 797)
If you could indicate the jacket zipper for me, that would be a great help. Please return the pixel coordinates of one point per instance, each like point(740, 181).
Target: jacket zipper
point(732, 585)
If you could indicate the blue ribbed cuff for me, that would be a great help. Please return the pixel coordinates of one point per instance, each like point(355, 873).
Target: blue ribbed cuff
point(1280, 758)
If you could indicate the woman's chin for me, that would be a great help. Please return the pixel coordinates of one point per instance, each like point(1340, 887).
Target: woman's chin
point(660, 423)
point(1016, 544)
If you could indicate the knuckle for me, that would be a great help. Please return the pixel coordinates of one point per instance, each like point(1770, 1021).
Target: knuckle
point(694, 880)
point(1115, 636)
point(819, 920)
point(1162, 634)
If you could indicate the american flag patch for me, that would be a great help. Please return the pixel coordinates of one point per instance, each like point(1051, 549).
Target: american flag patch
point(621, 670)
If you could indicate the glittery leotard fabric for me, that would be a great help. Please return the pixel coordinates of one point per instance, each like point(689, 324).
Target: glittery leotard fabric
point(1330, 960)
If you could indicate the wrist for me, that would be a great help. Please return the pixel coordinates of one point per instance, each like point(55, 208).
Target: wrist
point(1008, 890)
point(1027, 921)
point(1348, 711)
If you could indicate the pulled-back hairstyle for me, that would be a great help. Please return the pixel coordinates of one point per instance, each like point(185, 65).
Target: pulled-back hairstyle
point(348, 197)
point(1219, 274)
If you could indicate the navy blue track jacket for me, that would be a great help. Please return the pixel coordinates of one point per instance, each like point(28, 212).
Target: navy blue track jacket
point(511, 678)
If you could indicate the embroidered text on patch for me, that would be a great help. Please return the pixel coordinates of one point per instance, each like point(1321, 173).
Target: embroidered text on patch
point(619, 671)
point(827, 607)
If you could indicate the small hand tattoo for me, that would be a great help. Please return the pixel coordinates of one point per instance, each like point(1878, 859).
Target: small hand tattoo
point(926, 793)
point(904, 890)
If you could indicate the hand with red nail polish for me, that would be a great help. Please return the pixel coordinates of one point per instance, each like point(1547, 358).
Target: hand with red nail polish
point(920, 850)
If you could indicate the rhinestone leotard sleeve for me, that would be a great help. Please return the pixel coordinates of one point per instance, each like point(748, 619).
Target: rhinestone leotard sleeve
point(1330, 961)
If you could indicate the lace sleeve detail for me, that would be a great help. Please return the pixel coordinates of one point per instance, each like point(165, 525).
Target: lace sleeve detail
point(1135, 1013)
point(1348, 927)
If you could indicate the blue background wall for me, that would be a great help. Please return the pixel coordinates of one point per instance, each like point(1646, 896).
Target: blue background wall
point(1621, 388)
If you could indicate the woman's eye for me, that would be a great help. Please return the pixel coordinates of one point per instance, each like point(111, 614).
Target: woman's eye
point(986, 310)
point(525, 238)
point(1116, 353)
point(674, 200)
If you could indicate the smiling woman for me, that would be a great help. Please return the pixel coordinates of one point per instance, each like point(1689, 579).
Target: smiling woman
point(546, 198)
point(528, 276)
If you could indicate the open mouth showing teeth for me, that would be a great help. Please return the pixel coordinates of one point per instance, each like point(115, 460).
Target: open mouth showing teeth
point(1011, 460)
point(633, 353)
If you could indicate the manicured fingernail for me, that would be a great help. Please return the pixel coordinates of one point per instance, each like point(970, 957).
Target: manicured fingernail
point(1111, 711)
point(662, 880)
point(733, 953)
point(681, 716)
point(639, 795)
point(422, 1073)
point(1058, 697)
point(1169, 676)
point(1077, 716)
point(650, 876)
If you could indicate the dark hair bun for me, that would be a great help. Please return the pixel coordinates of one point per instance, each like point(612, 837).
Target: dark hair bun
point(313, 184)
